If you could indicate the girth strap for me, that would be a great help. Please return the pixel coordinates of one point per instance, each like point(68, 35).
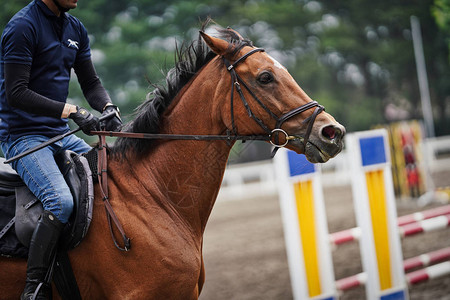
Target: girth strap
point(102, 172)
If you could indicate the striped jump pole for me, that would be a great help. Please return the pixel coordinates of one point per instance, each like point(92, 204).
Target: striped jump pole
point(405, 230)
point(424, 215)
point(411, 278)
point(426, 259)
point(423, 260)
point(353, 234)
point(305, 227)
point(428, 273)
point(425, 225)
point(376, 216)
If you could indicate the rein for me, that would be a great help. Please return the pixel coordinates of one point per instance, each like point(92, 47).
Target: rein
point(102, 174)
point(192, 137)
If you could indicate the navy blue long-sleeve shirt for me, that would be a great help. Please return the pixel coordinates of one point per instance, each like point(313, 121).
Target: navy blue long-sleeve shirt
point(37, 52)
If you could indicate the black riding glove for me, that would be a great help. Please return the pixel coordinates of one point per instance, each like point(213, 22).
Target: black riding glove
point(85, 120)
point(114, 123)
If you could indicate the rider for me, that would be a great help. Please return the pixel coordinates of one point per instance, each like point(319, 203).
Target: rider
point(39, 47)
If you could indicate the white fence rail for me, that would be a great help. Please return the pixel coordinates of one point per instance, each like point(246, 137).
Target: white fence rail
point(258, 178)
point(437, 153)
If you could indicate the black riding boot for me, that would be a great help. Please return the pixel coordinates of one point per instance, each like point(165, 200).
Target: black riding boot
point(42, 248)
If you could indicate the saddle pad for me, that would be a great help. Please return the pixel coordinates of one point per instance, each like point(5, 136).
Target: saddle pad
point(9, 244)
point(79, 178)
point(28, 211)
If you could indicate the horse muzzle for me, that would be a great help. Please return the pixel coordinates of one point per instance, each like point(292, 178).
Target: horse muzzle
point(323, 143)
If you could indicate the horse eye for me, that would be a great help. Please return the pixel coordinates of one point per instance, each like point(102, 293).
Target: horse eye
point(265, 78)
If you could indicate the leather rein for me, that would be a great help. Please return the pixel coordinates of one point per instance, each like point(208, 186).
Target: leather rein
point(236, 81)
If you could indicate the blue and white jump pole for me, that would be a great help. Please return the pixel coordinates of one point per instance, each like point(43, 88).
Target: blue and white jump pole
point(376, 214)
point(305, 227)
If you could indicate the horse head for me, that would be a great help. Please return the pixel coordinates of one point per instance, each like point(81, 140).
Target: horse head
point(263, 89)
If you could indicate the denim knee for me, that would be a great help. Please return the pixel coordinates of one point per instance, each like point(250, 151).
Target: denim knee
point(60, 204)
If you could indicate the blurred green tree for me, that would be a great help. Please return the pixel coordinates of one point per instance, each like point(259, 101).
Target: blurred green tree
point(441, 12)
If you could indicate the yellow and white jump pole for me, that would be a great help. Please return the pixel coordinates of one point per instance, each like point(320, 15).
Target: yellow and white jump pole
point(374, 202)
point(305, 227)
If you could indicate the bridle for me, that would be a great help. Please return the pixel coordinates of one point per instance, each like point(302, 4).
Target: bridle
point(273, 134)
point(236, 81)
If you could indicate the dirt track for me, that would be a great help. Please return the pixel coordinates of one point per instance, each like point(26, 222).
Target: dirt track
point(245, 253)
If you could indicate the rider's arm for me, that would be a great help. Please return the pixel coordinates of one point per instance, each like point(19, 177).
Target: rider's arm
point(92, 88)
point(96, 94)
point(20, 96)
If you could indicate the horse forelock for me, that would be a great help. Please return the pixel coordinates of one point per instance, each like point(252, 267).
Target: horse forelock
point(190, 58)
point(235, 40)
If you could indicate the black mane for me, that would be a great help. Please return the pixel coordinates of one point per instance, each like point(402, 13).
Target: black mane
point(190, 58)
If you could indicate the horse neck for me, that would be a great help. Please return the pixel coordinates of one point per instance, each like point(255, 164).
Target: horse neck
point(187, 174)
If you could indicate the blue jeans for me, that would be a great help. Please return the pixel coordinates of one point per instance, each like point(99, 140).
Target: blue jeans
point(40, 172)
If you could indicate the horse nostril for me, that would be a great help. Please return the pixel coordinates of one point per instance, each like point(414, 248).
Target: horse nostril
point(332, 132)
point(329, 132)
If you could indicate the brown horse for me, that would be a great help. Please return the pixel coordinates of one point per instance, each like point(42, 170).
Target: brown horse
point(163, 191)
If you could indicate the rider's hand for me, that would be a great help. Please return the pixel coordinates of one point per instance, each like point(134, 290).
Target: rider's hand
point(114, 123)
point(85, 120)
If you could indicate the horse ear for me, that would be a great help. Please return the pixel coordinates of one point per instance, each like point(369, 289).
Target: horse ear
point(218, 46)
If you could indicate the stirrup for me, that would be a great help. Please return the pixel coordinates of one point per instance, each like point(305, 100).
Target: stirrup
point(32, 295)
point(36, 292)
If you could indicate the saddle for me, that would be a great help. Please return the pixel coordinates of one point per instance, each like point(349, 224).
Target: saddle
point(19, 207)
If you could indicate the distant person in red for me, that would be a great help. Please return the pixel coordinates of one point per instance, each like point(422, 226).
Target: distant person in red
point(412, 172)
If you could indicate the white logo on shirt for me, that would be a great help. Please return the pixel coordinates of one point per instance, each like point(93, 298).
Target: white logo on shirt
point(72, 44)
